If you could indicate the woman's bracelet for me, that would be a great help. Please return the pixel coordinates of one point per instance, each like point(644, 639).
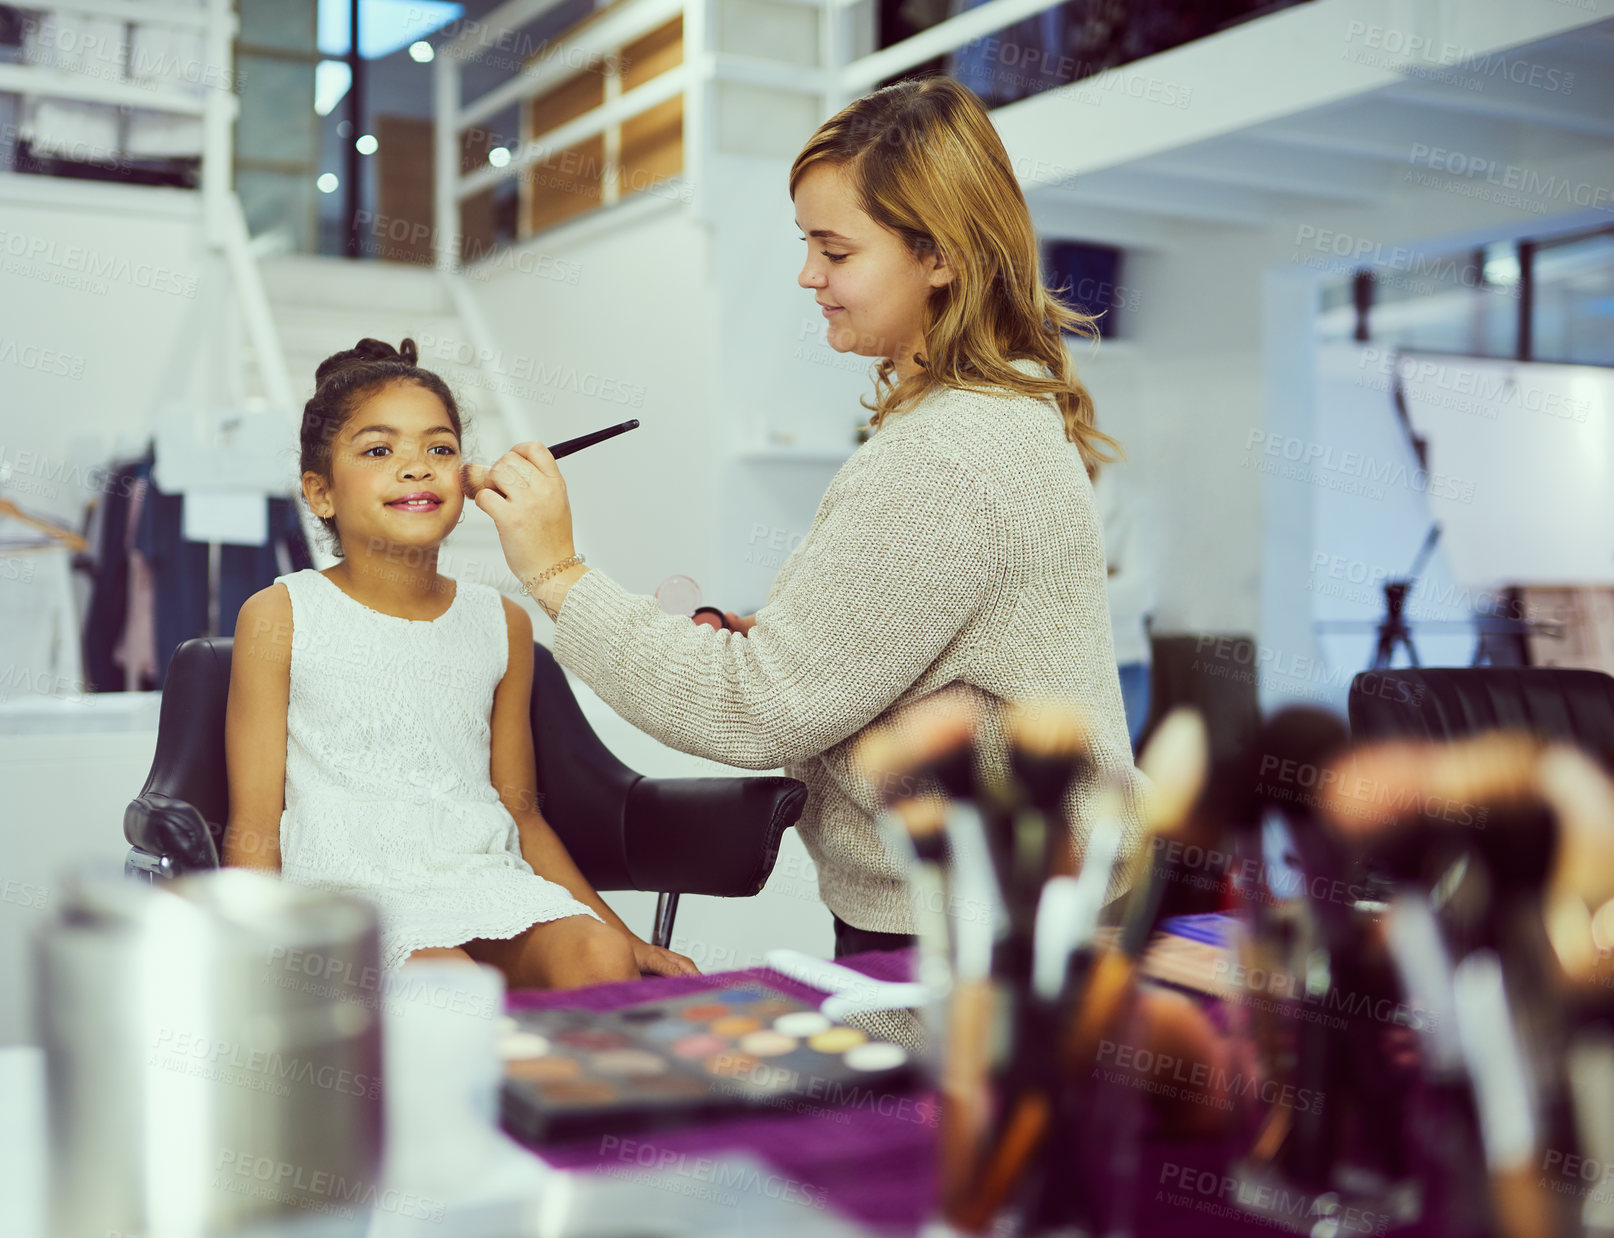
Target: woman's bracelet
point(531, 586)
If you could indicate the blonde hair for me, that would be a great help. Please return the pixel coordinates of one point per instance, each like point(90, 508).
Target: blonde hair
point(926, 164)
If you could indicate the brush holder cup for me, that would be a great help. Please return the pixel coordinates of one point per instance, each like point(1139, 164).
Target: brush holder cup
point(213, 1057)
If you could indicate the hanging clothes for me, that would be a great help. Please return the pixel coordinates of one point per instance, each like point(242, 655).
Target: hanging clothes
point(150, 587)
point(243, 570)
point(178, 570)
point(108, 606)
point(137, 649)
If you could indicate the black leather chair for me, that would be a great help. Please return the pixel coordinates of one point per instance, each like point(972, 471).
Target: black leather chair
point(1447, 702)
point(627, 832)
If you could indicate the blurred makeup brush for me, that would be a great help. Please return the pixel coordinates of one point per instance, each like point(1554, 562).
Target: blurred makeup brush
point(1048, 752)
point(1175, 765)
point(900, 764)
point(1581, 796)
point(1175, 762)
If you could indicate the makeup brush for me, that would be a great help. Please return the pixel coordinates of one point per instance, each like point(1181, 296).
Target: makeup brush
point(1479, 797)
point(474, 476)
point(901, 764)
point(1581, 796)
point(893, 763)
point(1175, 764)
point(1048, 753)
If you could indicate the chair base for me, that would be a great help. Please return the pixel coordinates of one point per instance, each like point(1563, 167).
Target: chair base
point(143, 866)
point(666, 911)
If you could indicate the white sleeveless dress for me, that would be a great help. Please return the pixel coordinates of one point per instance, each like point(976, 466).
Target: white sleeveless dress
point(389, 793)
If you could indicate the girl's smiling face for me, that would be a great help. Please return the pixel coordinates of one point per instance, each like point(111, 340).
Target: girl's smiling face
point(394, 472)
point(867, 284)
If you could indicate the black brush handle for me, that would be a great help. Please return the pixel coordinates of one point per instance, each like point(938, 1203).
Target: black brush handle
point(588, 440)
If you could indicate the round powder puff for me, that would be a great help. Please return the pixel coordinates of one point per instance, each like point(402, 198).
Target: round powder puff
point(801, 1023)
point(514, 1045)
point(876, 1055)
point(767, 1043)
point(837, 1039)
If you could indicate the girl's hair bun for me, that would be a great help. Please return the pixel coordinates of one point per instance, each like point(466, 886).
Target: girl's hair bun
point(364, 352)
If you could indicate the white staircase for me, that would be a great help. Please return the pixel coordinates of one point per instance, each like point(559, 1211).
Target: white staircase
point(324, 305)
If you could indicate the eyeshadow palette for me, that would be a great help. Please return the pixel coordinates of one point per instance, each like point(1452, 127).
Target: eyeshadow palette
point(570, 1073)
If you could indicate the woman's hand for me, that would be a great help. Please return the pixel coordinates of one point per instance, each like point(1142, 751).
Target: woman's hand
point(659, 961)
point(525, 495)
point(738, 623)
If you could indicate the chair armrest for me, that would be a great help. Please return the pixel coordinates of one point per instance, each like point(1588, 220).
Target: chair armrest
point(170, 828)
point(708, 835)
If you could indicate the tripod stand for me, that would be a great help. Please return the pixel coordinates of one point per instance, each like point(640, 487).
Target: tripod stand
point(1393, 630)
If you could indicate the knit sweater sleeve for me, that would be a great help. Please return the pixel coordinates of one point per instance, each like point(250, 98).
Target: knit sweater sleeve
point(894, 569)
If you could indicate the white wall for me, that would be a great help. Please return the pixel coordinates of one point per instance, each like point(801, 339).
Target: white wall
point(640, 318)
point(108, 308)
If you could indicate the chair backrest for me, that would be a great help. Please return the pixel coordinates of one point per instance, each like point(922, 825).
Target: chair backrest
point(582, 786)
point(188, 766)
point(1447, 702)
point(1212, 672)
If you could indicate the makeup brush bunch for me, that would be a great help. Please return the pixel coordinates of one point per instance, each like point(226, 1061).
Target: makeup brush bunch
point(1427, 983)
point(1011, 928)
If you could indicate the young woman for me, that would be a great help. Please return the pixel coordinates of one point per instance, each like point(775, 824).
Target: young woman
point(957, 552)
point(377, 736)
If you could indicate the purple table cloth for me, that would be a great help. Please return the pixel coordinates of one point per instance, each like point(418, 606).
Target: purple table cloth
point(877, 1168)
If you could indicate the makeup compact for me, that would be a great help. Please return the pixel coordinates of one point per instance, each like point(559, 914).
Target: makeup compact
point(572, 1073)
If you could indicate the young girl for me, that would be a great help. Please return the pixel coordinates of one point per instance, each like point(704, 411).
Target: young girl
point(377, 734)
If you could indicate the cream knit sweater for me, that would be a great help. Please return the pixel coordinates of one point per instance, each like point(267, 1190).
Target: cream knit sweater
point(958, 552)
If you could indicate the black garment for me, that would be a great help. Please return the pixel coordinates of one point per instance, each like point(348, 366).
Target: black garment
point(849, 940)
point(178, 572)
point(109, 590)
point(243, 570)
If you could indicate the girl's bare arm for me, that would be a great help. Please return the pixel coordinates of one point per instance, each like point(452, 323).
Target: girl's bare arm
point(255, 729)
point(514, 772)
